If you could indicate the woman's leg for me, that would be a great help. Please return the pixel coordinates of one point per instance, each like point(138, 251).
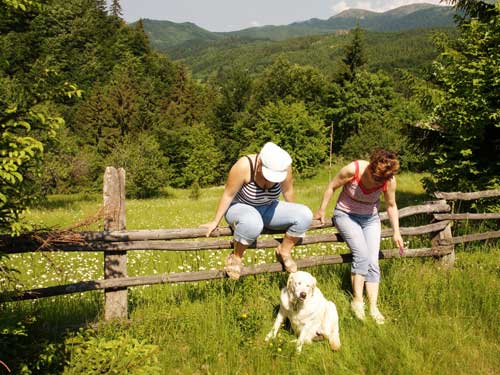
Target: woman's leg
point(295, 218)
point(372, 231)
point(247, 224)
point(351, 231)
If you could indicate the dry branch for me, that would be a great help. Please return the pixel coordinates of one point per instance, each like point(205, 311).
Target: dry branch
point(86, 286)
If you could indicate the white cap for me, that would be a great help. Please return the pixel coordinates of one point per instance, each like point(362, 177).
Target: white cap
point(275, 162)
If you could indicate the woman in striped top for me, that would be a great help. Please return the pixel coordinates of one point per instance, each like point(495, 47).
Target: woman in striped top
point(356, 218)
point(250, 202)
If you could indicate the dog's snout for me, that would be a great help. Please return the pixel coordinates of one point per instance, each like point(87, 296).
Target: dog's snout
point(303, 294)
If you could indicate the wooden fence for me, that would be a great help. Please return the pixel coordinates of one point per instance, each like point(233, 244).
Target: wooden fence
point(115, 241)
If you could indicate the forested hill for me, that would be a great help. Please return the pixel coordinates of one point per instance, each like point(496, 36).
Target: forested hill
point(412, 50)
point(165, 35)
point(81, 90)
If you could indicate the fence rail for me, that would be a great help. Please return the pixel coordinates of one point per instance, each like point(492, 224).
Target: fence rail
point(115, 241)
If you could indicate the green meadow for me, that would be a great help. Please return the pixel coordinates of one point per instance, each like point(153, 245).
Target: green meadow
point(439, 321)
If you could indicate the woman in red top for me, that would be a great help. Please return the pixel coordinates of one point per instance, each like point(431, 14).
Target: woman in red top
point(356, 218)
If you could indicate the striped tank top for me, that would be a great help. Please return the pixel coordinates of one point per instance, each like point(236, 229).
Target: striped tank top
point(357, 199)
point(253, 195)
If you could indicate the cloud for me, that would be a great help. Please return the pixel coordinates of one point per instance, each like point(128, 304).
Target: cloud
point(339, 6)
point(374, 5)
point(255, 23)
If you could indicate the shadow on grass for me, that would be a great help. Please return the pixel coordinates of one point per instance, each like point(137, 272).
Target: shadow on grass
point(68, 201)
point(33, 335)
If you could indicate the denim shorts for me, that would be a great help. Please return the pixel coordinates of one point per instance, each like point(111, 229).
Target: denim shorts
point(249, 221)
point(362, 235)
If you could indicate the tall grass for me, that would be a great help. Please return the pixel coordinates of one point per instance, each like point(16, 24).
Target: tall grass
point(439, 321)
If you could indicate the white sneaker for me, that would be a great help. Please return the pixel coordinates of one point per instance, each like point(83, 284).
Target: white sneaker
point(358, 308)
point(377, 315)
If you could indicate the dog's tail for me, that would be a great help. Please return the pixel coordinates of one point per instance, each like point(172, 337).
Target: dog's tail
point(334, 336)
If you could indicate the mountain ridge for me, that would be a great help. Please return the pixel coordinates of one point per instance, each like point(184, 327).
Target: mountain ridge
point(165, 35)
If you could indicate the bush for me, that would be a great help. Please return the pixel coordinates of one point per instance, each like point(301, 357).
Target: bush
point(123, 355)
point(294, 129)
point(469, 115)
point(194, 155)
point(146, 168)
point(387, 134)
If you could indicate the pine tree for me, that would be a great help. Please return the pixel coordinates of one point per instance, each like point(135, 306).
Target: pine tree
point(355, 56)
point(100, 5)
point(116, 8)
point(473, 8)
point(468, 117)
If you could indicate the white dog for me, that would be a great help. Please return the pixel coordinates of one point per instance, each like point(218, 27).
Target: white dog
point(311, 315)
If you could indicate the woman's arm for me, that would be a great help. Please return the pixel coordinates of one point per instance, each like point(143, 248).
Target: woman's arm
point(287, 187)
point(235, 181)
point(343, 177)
point(392, 213)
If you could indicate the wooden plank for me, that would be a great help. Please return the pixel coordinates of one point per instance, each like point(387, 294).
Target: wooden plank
point(28, 243)
point(184, 233)
point(471, 237)
point(414, 231)
point(170, 278)
point(468, 196)
point(467, 216)
point(445, 235)
point(427, 208)
point(115, 261)
point(214, 244)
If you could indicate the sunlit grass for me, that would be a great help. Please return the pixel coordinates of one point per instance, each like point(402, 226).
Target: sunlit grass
point(438, 321)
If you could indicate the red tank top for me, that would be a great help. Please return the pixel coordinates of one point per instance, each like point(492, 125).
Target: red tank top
point(357, 199)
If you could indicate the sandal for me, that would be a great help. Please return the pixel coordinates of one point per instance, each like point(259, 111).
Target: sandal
point(377, 315)
point(358, 308)
point(287, 262)
point(233, 266)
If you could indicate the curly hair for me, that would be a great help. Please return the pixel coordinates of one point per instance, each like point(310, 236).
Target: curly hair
point(384, 164)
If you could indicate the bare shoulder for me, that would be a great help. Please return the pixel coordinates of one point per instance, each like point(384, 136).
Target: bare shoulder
point(239, 173)
point(391, 184)
point(363, 164)
point(348, 171)
point(242, 165)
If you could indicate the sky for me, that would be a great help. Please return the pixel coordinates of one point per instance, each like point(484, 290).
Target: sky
point(231, 15)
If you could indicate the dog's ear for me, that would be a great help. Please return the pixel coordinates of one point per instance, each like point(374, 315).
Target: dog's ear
point(313, 286)
point(289, 284)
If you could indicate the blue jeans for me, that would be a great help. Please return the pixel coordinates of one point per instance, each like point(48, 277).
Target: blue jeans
point(248, 221)
point(362, 235)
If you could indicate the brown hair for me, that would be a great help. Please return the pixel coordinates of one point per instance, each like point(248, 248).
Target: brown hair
point(383, 163)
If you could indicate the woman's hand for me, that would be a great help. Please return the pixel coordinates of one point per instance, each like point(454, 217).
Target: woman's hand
point(211, 226)
point(398, 240)
point(320, 215)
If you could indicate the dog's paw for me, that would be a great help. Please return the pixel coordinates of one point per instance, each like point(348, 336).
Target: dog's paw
point(269, 337)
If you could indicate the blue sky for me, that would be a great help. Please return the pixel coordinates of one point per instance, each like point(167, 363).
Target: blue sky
point(230, 15)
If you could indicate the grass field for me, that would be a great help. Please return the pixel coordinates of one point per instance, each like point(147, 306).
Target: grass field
point(439, 321)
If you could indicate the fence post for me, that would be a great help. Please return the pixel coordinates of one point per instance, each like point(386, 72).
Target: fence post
point(115, 262)
point(447, 261)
